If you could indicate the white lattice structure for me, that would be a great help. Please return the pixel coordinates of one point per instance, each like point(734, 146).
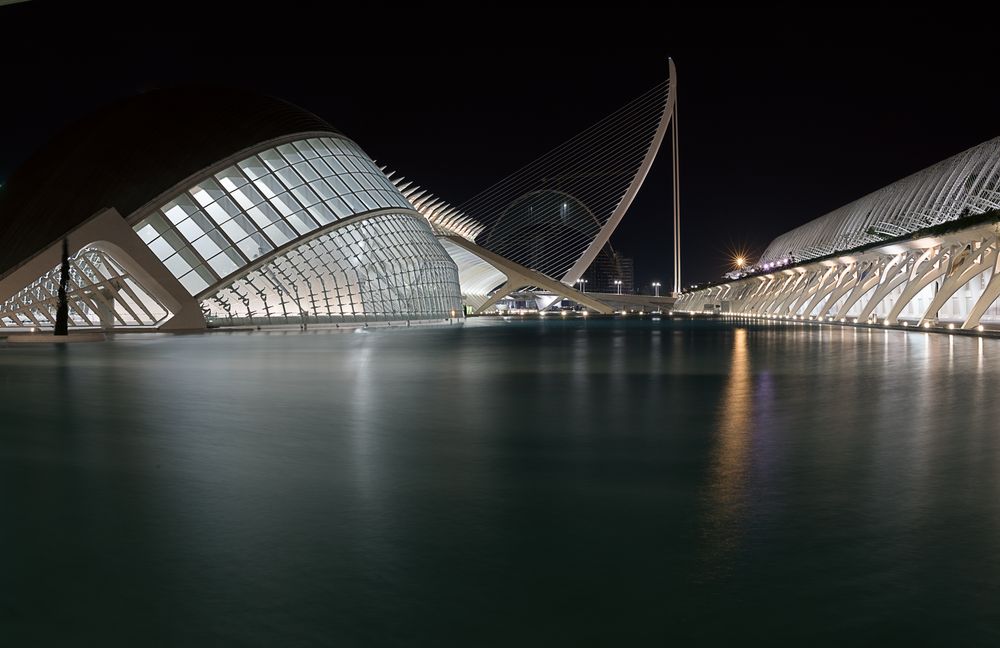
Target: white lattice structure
point(835, 269)
point(299, 228)
point(550, 218)
point(963, 184)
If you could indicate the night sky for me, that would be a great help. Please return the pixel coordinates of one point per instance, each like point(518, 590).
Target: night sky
point(775, 129)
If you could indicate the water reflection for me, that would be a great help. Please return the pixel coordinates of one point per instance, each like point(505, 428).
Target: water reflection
point(727, 485)
point(578, 477)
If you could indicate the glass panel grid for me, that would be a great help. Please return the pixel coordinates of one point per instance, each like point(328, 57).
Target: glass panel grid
point(262, 202)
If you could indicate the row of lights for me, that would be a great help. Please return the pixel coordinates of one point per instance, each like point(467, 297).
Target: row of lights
point(618, 284)
point(842, 320)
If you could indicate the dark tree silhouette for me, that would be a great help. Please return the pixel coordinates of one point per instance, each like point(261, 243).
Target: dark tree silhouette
point(62, 314)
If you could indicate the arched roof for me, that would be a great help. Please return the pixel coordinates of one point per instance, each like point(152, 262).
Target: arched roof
point(965, 184)
point(128, 153)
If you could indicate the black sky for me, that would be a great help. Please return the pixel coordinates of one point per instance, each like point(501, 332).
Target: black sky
point(778, 124)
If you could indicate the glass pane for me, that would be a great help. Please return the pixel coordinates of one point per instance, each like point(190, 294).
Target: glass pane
point(239, 227)
point(339, 207)
point(335, 164)
point(356, 206)
point(230, 178)
point(188, 255)
point(151, 228)
point(206, 247)
point(322, 214)
point(319, 146)
point(351, 182)
point(254, 246)
point(305, 149)
point(205, 274)
point(263, 215)
point(323, 189)
point(193, 283)
point(305, 195)
point(291, 153)
point(306, 171)
point(263, 245)
point(202, 221)
point(190, 230)
point(321, 167)
point(219, 238)
point(207, 191)
point(285, 204)
point(222, 264)
point(338, 186)
point(364, 180)
point(161, 248)
point(289, 177)
point(177, 265)
point(174, 239)
point(178, 210)
point(278, 233)
point(269, 186)
point(273, 159)
point(301, 222)
point(218, 214)
point(366, 200)
point(231, 208)
point(247, 196)
point(253, 167)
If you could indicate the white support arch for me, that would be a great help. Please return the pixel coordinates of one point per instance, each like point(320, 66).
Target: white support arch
point(520, 277)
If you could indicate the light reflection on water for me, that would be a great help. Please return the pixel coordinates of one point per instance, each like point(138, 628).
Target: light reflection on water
point(547, 483)
point(727, 482)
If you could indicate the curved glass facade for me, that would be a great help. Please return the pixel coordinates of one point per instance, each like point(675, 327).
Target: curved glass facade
point(385, 267)
point(260, 241)
point(264, 202)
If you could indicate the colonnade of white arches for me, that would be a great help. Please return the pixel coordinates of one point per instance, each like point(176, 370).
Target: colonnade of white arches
point(952, 279)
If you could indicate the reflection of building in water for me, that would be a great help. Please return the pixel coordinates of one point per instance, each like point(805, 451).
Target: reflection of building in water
point(608, 267)
point(727, 489)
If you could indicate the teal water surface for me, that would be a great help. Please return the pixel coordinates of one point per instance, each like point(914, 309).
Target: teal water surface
point(554, 483)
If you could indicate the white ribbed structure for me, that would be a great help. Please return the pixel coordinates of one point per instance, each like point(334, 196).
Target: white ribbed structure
point(963, 184)
point(443, 217)
point(835, 268)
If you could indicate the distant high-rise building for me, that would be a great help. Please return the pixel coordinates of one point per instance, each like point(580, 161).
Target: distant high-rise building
point(608, 267)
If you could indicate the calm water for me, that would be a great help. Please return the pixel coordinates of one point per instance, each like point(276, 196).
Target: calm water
point(502, 484)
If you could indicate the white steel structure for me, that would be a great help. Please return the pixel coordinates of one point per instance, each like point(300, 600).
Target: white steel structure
point(186, 209)
point(553, 216)
point(298, 228)
point(923, 250)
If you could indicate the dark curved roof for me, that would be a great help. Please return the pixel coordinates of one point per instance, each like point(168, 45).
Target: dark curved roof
point(126, 154)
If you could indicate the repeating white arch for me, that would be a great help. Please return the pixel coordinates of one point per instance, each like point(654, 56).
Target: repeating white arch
point(835, 267)
point(966, 183)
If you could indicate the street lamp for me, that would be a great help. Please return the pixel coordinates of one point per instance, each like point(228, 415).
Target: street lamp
point(656, 287)
point(618, 282)
point(583, 284)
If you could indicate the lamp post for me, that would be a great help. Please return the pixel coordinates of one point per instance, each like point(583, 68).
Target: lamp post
point(618, 283)
point(656, 287)
point(583, 284)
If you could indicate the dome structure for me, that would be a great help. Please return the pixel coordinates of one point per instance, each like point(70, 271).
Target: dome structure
point(206, 205)
point(130, 152)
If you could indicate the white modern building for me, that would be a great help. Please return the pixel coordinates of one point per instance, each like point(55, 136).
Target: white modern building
point(202, 207)
point(187, 208)
point(922, 251)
